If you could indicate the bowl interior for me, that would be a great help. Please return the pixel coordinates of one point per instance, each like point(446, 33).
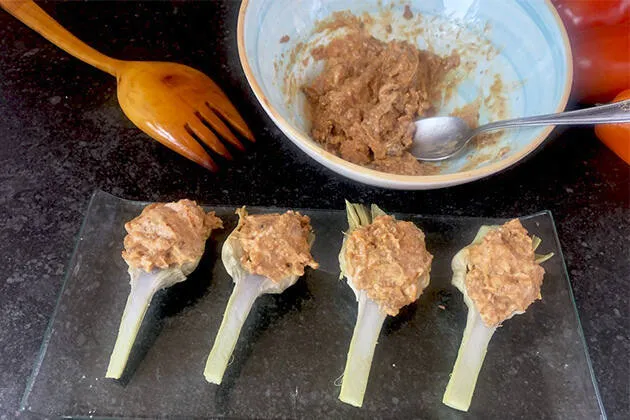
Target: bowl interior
point(520, 43)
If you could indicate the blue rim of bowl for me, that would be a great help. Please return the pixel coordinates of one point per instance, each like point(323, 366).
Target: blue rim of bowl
point(348, 168)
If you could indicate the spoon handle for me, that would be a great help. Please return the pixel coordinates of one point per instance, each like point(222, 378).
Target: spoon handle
point(38, 20)
point(617, 112)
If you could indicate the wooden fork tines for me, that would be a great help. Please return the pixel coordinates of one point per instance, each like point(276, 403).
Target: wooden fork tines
point(190, 107)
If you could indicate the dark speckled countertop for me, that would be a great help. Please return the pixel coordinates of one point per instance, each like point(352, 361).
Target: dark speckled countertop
point(62, 135)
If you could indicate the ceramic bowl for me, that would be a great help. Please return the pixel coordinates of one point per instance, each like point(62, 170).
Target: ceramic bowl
point(522, 43)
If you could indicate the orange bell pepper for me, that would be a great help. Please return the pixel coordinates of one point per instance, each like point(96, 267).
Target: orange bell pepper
point(617, 136)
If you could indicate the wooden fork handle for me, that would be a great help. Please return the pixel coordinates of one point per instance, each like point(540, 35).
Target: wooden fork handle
point(37, 19)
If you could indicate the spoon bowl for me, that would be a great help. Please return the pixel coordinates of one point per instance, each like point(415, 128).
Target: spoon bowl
point(439, 138)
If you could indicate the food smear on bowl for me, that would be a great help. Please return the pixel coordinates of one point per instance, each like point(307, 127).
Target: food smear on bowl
point(484, 143)
point(408, 14)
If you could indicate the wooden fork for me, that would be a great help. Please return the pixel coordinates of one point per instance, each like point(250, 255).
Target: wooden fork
point(170, 102)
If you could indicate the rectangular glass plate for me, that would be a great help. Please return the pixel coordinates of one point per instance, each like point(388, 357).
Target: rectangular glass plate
point(293, 346)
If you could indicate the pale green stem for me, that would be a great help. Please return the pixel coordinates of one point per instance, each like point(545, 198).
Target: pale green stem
point(243, 297)
point(366, 331)
point(142, 291)
point(472, 351)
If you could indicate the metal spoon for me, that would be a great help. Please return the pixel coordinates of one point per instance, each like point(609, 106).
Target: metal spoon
point(439, 138)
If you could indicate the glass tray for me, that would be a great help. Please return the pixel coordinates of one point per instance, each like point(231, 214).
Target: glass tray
point(293, 346)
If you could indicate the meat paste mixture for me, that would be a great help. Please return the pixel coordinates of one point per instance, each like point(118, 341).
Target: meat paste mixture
point(276, 245)
point(503, 276)
point(167, 235)
point(364, 102)
point(389, 260)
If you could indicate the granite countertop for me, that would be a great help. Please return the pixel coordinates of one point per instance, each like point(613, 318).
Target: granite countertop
point(62, 135)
